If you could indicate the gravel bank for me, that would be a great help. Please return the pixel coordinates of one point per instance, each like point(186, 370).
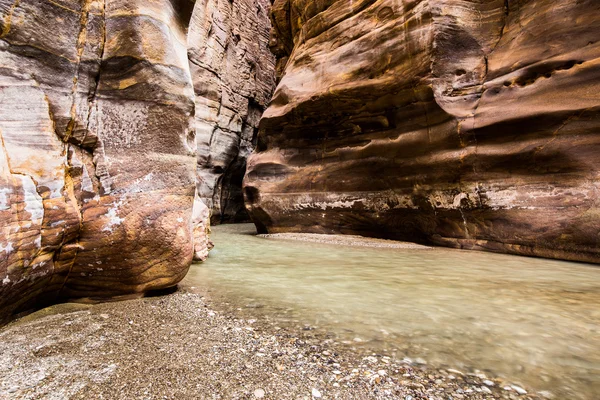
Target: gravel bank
point(178, 347)
point(345, 240)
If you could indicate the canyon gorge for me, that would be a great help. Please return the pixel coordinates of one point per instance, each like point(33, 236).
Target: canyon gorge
point(116, 137)
point(126, 125)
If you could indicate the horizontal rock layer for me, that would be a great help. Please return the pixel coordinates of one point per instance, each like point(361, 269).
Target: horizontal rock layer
point(470, 124)
point(98, 153)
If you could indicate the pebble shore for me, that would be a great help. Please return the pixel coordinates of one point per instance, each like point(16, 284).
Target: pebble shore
point(179, 346)
point(345, 240)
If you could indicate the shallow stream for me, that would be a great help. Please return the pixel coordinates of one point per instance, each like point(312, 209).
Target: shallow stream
point(530, 321)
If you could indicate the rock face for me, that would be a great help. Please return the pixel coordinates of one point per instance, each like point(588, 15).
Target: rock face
point(98, 154)
point(233, 73)
point(470, 124)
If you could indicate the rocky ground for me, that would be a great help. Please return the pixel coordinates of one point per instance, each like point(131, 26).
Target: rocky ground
point(178, 347)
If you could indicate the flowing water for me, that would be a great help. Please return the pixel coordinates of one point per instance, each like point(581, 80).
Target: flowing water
point(530, 321)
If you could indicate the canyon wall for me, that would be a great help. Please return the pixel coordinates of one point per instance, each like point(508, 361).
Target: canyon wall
point(233, 75)
point(461, 123)
point(98, 151)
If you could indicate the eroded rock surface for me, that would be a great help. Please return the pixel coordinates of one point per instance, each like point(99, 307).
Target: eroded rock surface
point(98, 154)
point(471, 124)
point(233, 74)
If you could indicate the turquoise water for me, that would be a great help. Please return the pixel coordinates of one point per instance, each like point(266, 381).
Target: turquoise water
point(530, 321)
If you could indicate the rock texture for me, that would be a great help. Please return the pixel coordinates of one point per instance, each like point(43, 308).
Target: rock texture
point(233, 73)
point(98, 154)
point(471, 124)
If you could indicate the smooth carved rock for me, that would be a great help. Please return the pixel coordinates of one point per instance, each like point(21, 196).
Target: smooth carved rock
point(471, 124)
point(233, 73)
point(98, 154)
point(201, 223)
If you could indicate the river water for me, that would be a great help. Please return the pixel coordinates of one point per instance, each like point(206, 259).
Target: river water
point(530, 321)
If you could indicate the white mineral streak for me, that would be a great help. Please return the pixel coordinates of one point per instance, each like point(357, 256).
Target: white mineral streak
point(8, 248)
point(324, 205)
point(114, 219)
point(4, 197)
point(33, 201)
point(493, 198)
point(200, 225)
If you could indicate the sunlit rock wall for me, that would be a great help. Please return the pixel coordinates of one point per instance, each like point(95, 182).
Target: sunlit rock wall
point(233, 73)
point(97, 149)
point(470, 124)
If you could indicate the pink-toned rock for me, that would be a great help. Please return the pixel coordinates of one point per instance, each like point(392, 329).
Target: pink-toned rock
point(98, 154)
point(471, 124)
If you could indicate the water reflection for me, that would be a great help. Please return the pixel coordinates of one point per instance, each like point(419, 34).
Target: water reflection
point(532, 321)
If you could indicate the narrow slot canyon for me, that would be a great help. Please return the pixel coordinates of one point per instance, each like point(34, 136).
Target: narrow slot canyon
point(354, 199)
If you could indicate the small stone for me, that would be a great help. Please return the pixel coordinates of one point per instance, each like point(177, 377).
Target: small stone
point(546, 394)
point(489, 383)
point(335, 384)
point(316, 394)
point(486, 389)
point(455, 371)
point(518, 389)
point(259, 393)
point(409, 397)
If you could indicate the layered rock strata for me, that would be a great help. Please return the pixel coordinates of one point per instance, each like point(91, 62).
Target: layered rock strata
point(98, 153)
point(233, 74)
point(470, 124)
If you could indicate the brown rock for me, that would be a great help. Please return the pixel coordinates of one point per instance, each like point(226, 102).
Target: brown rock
point(97, 163)
point(470, 124)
